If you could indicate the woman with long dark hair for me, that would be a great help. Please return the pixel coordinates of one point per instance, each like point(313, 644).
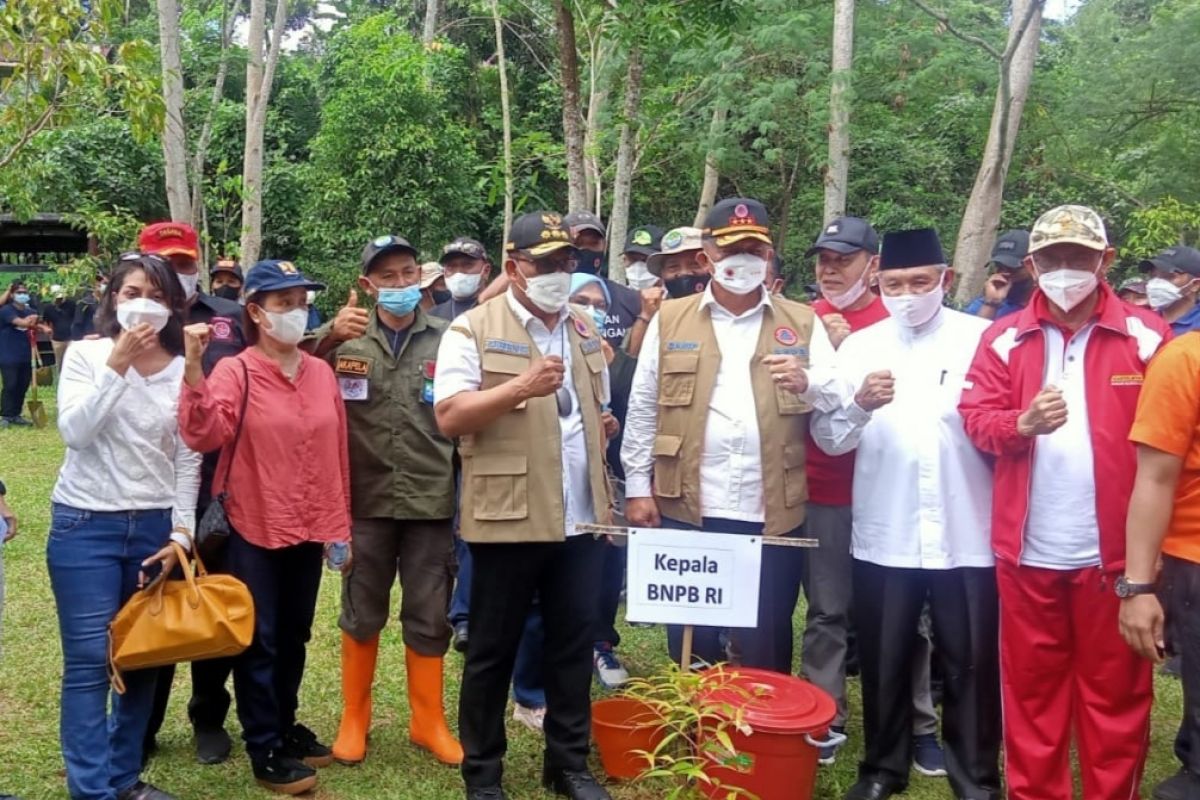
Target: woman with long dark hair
point(287, 487)
point(17, 318)
point(126, 488)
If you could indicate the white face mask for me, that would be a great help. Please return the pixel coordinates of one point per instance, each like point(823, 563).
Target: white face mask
point(1162, 293)
point(851, 295)
point(549, 292)
point(310, 296)
point(741, 273)
point(132, 313)
point(287, 327)
point(914, 310)
point(1067, 288)
point(190, 284)
point(463, 285)
point(639, 277)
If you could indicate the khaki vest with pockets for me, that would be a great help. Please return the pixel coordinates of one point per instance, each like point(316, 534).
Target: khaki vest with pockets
point(512, 471)
point(688, 359)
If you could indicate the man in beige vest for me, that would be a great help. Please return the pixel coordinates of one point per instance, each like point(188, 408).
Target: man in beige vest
point(717, 418)
point(522, 380)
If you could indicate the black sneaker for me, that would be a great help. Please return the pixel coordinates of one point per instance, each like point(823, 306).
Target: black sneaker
point(213, 745)
point(277, 772)
point(476, 793)
point(581, 785)
point(460, 637)
point(20, 422)
point(300, 743)
point(1183, 785)
point(144, 791)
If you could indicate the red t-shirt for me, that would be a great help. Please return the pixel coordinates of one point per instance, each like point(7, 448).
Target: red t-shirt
point(831, 477)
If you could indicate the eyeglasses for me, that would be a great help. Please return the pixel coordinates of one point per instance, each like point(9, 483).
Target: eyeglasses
point(1047, 262)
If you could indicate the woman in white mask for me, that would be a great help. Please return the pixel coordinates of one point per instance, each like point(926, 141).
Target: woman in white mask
point(126, 488)
point(276, 413)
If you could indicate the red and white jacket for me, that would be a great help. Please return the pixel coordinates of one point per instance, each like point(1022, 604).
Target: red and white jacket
point(1007, 374)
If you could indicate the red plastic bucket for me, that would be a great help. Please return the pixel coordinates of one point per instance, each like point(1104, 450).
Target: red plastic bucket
point(621, 727)
point(776, 761)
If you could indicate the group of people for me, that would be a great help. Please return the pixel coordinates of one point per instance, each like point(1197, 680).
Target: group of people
point(1001, 482)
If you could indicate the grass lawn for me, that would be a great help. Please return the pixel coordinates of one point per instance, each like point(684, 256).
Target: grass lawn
point(31, 668)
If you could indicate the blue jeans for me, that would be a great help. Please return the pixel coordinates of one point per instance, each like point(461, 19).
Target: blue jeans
point(94, 558)
point(528, 687)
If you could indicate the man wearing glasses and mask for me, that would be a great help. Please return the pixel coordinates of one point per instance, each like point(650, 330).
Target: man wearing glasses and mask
point(520, 378)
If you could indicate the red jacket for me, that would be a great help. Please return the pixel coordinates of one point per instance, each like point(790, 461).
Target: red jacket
point(1006, 375)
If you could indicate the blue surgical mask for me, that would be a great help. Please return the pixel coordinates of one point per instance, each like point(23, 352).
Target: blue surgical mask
point(400, 302)
point(599, 317)
point(22, 298)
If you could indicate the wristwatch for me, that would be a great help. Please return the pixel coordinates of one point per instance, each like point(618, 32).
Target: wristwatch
point(1125, 589)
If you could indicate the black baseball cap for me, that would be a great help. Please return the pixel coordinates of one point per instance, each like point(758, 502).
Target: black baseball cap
point(1010, 249)
point(737, 218)
point(274, 275)
point(846, 235)
point(537, 234)
point(230, 266)
point(578, 221)
point(644, 240)
point(384, 244)
point(1175, 259)
point(464, 246)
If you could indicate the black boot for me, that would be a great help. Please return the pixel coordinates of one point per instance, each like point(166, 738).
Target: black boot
point(213, 744)
point(579, 785)
point(144, 791)
point(486, 793)
point(300, 743)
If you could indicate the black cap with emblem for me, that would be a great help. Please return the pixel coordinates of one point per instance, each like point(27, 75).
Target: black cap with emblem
point(578, 221)
point(737, 218)
point(846, 235)
point(384, 244)
point(1010, 249)
point(538, 234)
point(464, 246)
point(916, 248)
point(643, 240)
point(1175, 259)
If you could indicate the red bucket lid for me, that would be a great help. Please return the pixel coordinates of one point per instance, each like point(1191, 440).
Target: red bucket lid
point(779, 703)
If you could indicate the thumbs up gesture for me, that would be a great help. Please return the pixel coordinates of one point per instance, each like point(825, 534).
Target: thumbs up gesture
point(351, 321)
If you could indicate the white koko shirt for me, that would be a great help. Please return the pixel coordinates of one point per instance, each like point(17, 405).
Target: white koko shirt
point(459, 370)
point(731, 459)
point(124, 452)
point(922, 492)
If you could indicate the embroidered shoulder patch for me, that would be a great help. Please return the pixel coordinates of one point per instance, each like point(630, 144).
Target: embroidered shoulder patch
point(589, 346)
point(786, 336)
point(1133, 379)
point(353, 365)
point(682, 346)
point(503, 346)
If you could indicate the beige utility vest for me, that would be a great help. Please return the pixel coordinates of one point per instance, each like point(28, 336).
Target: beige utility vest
point(512, 472)
point(688, 359)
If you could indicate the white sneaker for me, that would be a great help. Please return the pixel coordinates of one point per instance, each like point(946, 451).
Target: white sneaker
point(608, 668)
point(532, 718)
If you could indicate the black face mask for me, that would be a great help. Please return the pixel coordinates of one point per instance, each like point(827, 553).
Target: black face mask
point(689, 284)
point(1019, 291)
point(589, 261)
point(228, 292)
point(441, 296)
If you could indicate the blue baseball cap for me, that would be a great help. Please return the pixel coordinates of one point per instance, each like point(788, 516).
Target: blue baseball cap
point(274, 275)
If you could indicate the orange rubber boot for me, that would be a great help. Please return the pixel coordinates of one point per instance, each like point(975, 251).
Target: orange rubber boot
point(427, 726)
point(358, 673)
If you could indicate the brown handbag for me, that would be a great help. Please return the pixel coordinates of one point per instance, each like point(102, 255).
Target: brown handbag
point(172, 621)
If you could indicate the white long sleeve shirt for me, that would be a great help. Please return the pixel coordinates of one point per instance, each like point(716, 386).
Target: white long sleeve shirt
point(459, 370)
point(731, 459)
point(922, 492)
point(124, 452)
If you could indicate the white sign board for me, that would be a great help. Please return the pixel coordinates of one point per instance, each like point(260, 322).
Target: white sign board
point(693, 578)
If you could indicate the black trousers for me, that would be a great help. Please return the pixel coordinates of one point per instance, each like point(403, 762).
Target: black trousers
point(266, 677)
point(15, 379)
point(965, 613)
point(612, 580)
point(566, 577)
point(770, 645)
point(1179, 594)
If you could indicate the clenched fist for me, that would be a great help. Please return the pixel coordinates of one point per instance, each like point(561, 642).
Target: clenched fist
point(1046, 414)
point(195, 340)
point(544, 377)
point(652, 300)
point(878, 389)
point(642, 512)
point(788, 372)
point(837, 328)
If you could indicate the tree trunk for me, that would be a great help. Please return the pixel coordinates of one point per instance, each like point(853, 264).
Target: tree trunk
point(506, 119)
point(199, 218)
point(432, 9)
point(174, 136)
point(708, 190)
point(841, 64)
point(977, 232)
point(260, 74)
point(577, 195)
point(618, 220)
point(597, 96)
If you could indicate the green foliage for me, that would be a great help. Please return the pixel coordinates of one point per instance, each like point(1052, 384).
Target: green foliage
point(1166, 223)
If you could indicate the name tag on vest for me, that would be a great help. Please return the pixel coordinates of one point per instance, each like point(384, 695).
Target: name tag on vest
point(353, 365)
point(502, 346)
point(790, 351)
point(589, 346)
point(682, 346)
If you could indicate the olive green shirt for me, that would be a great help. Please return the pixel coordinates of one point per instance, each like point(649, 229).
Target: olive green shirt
point(400, 465)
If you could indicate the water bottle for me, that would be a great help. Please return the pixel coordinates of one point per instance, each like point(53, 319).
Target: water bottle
point(336, 555)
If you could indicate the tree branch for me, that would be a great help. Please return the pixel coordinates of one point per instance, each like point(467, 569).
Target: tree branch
point(949, 26)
